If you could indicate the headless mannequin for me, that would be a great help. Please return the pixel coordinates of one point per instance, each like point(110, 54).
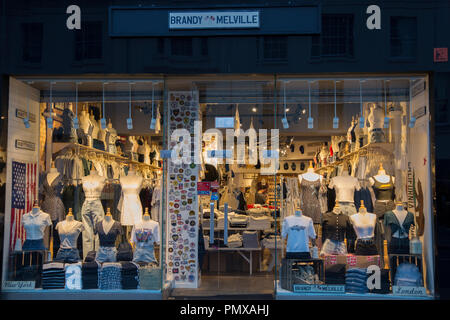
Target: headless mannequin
point(52, 174)
point(95, 126)
point(364, 223)
point(85, 122)
point(349, 135)
point(381, 176)
point(400, 214)
point(94, 177)
point(146, 216)
point(376, 117)
point(310, 175)
point(146, 152)
point(131, 178)
point(108, 221)
point(69, 217)
point(101, 132)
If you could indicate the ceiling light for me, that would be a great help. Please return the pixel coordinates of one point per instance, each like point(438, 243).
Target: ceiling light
point(254, 109)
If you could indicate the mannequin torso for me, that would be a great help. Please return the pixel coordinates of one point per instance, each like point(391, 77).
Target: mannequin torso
point(364, 224)
point(52, 175)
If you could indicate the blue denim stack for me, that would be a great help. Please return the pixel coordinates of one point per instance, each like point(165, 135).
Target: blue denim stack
point(356, 281)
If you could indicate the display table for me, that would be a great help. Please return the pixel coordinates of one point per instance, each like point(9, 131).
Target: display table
point(241, 253)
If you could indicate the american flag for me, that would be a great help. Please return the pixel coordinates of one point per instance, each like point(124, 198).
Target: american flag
point(23, 195)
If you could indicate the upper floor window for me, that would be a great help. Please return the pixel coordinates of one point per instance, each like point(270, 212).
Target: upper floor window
point(88, 41)
point(403, 37)
point(336, 39)
point(181, 47)
point(274, 48)
point(32, 36)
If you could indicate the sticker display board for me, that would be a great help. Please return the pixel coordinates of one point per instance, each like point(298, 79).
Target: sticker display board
point(182, 199)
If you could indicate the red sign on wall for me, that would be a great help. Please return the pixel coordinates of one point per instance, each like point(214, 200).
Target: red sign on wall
point(440, 54)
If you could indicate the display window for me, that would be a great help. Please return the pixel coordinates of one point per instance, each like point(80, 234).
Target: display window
point(292, 186)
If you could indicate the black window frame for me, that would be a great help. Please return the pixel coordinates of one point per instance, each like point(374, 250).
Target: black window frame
point(86, 49)
point(399, 42)
point(32, 42)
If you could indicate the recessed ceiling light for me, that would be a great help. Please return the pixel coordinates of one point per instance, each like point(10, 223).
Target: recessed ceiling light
point(304, 111)
point(287, 109)
point(254, 109)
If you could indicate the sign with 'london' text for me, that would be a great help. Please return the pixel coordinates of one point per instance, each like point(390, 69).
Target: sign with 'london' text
point(214, 20)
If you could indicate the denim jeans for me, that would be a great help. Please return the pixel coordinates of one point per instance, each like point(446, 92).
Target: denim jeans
point(33, 245)
point(333, 247)
point(91, 213)
point(106, 254)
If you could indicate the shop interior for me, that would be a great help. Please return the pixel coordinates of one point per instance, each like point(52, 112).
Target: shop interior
point(334, 200)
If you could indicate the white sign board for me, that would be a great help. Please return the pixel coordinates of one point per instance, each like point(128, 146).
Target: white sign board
point(319, 288)
point(409, 291)
point(18, 285)
point(214, 20)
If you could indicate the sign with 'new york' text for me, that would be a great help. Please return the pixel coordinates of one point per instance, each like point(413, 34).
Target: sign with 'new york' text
point(214, 20)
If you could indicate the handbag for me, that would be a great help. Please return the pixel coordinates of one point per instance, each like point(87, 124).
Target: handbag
point(124, 252)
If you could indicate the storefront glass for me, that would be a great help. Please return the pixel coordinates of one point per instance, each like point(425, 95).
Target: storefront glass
point(254, 184)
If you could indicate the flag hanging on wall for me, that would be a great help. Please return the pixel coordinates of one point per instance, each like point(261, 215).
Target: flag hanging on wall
point(22, 196)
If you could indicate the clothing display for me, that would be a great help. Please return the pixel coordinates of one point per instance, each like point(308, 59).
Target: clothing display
point(150, 277)
point(298, 230)
point(309, 195)
point(35, 223)
point(408, 275)
point(398, 232)
point(144, 235)
point(384, 191)
point(53, 276)
point(345, 187)
point(383, 206)
point(356, 281)
point(130, 204)
point(51, 196)
point(250, 239)
point(107, 240)
point(73, 276)
point(129, 275)
point(89, 274)
point(110, 276)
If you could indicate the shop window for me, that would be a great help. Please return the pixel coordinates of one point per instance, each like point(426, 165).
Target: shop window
point(32, 35)
point(88, 41)
point(181, 47)
point(274, 48)
point(403, 37)
point(204, 46)
point(336, 39)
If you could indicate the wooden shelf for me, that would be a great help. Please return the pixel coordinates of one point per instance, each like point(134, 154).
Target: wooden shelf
point(389, 147)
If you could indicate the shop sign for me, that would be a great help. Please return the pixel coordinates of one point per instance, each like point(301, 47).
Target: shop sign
point(203, 188)
point(214, 20)
point(25, 145)
point(22, 114)
point(19, 285)
point(409, 291)
point(319, 288)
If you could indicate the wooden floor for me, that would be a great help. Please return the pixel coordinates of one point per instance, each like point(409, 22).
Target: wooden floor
point(230, 286)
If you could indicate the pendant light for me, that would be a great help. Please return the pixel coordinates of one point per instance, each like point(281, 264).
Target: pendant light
point(412, 119)
point(153, 121)
point(75, 119)
point(335, 119)
point(310, 119)
point(50, 117)
point(361, 118)
point(129, 120)
point(386, 118)
point(285, 120)
point(103, 119)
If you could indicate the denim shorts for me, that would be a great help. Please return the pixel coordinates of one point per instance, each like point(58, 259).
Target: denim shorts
point(333, 247)
point(68, 255)
point(106, 254)
point(144, 254)
point(33, 245)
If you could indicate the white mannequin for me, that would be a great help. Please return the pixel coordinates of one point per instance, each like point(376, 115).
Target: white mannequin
point(364, 223)
point(130, 206)
point(381, 176)
point(349, 135)
point(52, 174)
point(376, 116)
point(345, 186)
point(85, 122)
point(135, 144)
point(93, 181)
point(310, 175)
point(146, 152)
point(95, 125)
point(101, 133)
point(111, 138)
point(108, 221)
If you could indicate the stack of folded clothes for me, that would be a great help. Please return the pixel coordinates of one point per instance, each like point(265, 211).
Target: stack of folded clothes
point(270, 240)
point(234, 241)
point(335, 274)
point(73, 276)
point(130, 275)
point(53, 275)
point(385, 283)
point(150, 277)
point(109, 277)
point(89, 274)
point(238, 221)
point(250, 239)
point(259, 222)
point(356, 280)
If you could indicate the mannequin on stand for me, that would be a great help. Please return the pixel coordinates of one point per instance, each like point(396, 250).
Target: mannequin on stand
point(383, 187)
point(310, 183)
point(69, 230)
point(336, 227)
point(345, 186)
point(364, 224)
point(86, 126)
point(35, 222)
point(299, 230)
point(111, 138)
point(130, 205)
point(147, 150)
point(144, 235)
point(398, 224)
point(69, 132)
point(92, 210)
point(107, 231)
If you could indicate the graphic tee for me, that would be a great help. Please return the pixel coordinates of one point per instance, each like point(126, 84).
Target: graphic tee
point(298, 230)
